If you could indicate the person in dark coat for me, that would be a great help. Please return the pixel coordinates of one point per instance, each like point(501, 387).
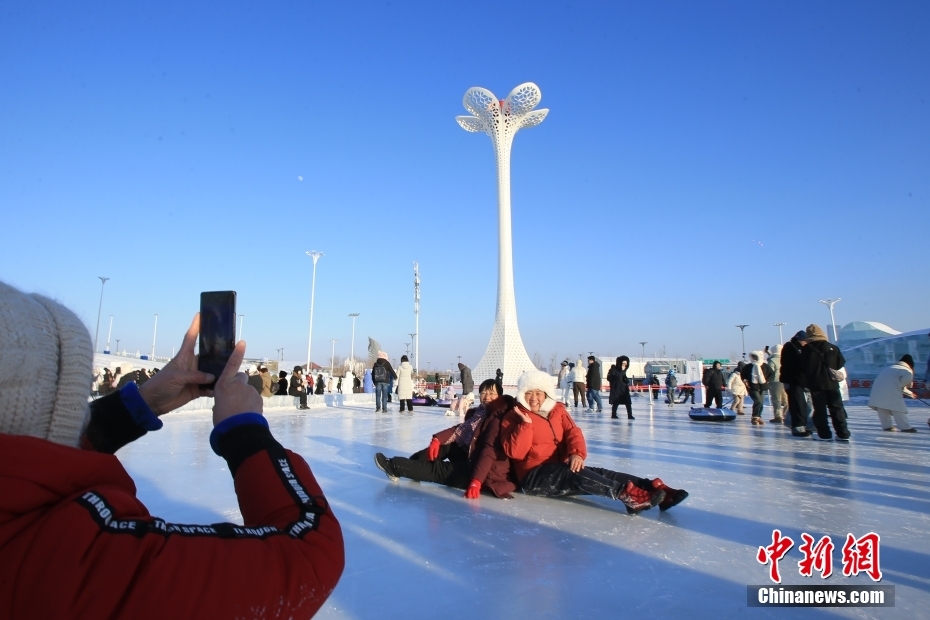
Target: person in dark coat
point(468, 384)
point(320, 385)
point(282, 383)
point(256, 382)
point(620, 388)
point(656, 386)
point(296, 387)
point(713, 382)
point(594, 382)
point(818, 359)
point(499, 375)
point(383, 375)
point(791, 375)
point(466, 456)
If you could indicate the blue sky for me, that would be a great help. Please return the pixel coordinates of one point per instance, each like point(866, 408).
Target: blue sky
point(702, 165)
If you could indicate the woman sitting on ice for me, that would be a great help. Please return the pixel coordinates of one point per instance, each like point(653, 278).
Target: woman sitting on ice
point(466, 456)
point(547, 451)
point(888, 391)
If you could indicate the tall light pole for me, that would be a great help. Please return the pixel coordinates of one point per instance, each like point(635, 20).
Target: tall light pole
point(117, 346)
point(416, 314)
point(154, 333)
point(831, 303)
point(332, 360)
point(643, 344)
point(315, 256)
point(103, 282)
point(742, 332)
point(501, 120)
point(241, 321)
point(781, 339)
point(354, 316)
point(413, 341)
point(280, 353)
point(109, 333)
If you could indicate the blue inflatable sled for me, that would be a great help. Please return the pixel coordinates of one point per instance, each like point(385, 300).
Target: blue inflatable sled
point(706, 414)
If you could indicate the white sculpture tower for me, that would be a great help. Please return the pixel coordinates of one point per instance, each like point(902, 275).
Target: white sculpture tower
point(502, 119)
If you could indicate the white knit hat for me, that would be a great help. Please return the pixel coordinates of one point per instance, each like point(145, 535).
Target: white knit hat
point(536, 380)
point(45, 368)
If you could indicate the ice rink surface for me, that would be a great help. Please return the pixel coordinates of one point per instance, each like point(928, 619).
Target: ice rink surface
point(420, 550)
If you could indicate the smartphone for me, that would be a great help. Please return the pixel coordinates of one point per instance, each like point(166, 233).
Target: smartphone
point(217, 332)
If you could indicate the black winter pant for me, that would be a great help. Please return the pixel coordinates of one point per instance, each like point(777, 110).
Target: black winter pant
point(557, 480)
point(797, 405)
point(832, 401)
point(629, 408)
point(451, 468)
point(757, 394)
point(713, 394)
point(408, 402)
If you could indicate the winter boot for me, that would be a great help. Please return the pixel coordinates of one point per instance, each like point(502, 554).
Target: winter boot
point(673, 497)
point(384, 464)
point(638, 500)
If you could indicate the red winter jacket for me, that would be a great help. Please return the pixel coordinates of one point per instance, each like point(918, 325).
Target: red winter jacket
point(490, 466)
point(75, 542)
point(545, 440)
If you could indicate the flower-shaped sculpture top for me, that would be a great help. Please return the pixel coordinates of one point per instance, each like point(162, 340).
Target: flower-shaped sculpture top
point(502, 118)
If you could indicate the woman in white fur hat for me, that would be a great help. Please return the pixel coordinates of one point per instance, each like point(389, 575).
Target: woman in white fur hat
point(74, 538)
point(547, 450)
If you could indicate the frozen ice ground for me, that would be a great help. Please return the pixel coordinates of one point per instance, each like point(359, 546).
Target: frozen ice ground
point(420, 550)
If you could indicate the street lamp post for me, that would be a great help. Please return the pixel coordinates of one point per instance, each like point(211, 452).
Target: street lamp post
point(117, 346)
point(154, 333)
point(280, 354)
point(643, 345)
point(781, 339)
point(831, 303)
point(332, 360)
point(742, 331)
point(109, 333)
point(241, 321)
point(103, 282)
point(354, 316)
point(315, 256)
point(416, 314)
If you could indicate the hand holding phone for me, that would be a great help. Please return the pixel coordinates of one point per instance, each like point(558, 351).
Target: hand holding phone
point(179, 381)
point(217, 332)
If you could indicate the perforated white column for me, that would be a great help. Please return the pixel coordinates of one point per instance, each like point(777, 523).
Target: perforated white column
point(501, 120)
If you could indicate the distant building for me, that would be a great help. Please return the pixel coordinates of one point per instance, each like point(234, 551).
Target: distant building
point(860, 332)
point(864, 361)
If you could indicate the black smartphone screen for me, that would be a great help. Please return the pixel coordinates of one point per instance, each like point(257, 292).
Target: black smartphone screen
point(217, 332)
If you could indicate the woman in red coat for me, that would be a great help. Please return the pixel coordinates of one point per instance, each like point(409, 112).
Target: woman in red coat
point(74, 539)
point(548, 452)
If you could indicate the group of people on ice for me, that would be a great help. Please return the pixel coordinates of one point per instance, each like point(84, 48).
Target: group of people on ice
point(804, 374)
point(528, 443)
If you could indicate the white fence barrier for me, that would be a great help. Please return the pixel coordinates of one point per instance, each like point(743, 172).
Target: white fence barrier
point(273, 403)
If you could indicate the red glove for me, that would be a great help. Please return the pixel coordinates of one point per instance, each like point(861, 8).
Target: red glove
point(473, 491)
point(432, 453)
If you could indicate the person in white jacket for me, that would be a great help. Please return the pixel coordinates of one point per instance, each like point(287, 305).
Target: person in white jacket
point(579, 385)
point(405, 383)
point(737, 389)
point(565, 383)
point(888, 391)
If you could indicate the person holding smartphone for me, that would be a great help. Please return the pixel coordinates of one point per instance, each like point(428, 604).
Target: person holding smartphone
point(75, 536)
